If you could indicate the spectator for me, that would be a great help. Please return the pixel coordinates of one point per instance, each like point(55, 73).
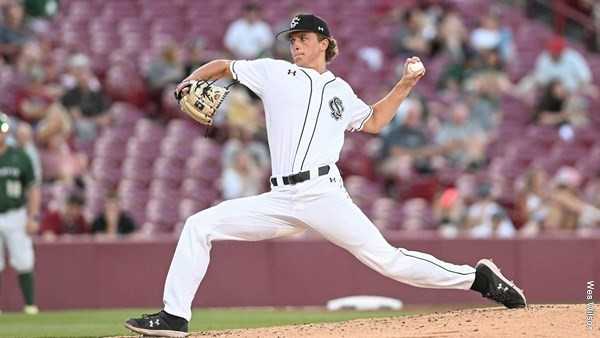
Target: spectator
point(196, 56)
point(243, 178)
point(556, 107)
point(449, 211)
point(486, 218)
point(490, 36)
point(532, 201)
point(13, 30)
point(34, 99)
point(566, 210)
point(408, 145)
point(464, 140)
point(559, 62)
point(249, 37)
point(453, 37)
point(113, 220)
point(85, 100)
point(413, 37)
point(68, 220)
point(166, 69)
point(244, 139)
point(499, 226)
point(59, 161)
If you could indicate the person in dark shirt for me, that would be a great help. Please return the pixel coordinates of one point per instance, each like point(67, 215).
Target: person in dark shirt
point(409, 141)
point(112, 220)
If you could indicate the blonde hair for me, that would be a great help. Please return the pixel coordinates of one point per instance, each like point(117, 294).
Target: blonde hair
point(332, 48)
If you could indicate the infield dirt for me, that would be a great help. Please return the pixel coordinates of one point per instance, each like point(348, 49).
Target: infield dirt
point(536, 321)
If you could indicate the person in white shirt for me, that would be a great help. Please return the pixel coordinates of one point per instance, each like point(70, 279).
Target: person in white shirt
point(498, 226)
point(249, 37)
point(308, 109)
point(564, 64)
point(243, 177)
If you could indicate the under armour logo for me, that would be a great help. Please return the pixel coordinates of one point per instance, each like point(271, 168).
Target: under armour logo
point(295, 21)
point(155, 323)
point(320, 29)
point(503, 289)
point(332, 179)
point(291, 72)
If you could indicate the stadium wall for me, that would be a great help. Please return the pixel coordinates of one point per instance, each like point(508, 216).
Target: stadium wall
point(130, 273)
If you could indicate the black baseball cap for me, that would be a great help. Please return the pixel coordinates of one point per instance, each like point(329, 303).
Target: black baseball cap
point(306, 23)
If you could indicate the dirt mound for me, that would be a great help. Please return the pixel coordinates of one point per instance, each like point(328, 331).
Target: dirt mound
point(535, 321)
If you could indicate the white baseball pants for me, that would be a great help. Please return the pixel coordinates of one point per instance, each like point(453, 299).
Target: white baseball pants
point(321, 204)
point(14, 235)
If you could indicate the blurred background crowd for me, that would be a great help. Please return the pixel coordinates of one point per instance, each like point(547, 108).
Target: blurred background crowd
point(500, 139)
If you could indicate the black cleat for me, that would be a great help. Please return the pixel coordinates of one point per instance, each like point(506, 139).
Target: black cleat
point(497, 287)
point(159, 324)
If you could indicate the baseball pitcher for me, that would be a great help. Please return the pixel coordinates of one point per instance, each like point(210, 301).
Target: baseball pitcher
point(308, 109)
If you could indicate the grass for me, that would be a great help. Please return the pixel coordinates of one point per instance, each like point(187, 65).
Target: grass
point(99, 323)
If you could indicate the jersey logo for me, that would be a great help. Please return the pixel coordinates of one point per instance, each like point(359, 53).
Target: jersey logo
point(336, 107)
point(295, 22)
point(291, 72)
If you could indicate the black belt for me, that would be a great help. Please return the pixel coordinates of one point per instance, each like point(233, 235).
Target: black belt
point(300, 177)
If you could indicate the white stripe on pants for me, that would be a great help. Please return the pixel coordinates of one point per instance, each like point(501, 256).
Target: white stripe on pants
point(321, 204)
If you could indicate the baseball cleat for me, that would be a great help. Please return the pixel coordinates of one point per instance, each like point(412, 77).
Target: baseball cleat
point(159, 324)
point(31, 310)
point(499, 288)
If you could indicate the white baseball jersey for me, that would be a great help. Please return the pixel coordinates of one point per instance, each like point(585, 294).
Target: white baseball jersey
point(306, 112)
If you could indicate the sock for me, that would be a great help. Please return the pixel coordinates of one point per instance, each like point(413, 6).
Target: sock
point(480, 284)
point(26, 283)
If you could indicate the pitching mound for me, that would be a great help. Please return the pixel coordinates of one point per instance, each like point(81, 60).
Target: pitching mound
point(535, 321)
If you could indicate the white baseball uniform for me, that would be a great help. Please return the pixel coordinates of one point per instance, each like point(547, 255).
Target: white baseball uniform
point(306, 114)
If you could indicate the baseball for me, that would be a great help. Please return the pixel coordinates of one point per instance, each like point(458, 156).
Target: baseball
point(416, 67)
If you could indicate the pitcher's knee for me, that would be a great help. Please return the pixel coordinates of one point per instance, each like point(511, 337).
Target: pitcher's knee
point(200, 225)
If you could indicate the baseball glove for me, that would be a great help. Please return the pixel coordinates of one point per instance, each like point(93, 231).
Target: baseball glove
point(200, 99)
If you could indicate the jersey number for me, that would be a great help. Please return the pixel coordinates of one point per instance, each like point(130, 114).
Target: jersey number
point(13, 189)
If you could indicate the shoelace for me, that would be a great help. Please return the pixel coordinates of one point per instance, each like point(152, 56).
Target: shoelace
point(148, 315)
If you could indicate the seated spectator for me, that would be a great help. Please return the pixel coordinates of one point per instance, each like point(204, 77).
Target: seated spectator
point(532, 200)
point(559, 62)
point(556, 107)
point(196, 56)
point(34, 99)
point(452, 37)
point(490, 36)
point(243, 178)
point(249, 37)
point(566, 210)
point(449, 209)
point(59, 161)
point(407, 145)
point(13, 30)
point(464, 140)
point(486, 218)
point(244, 139)
point(165, 69)
point(499, 226)
point(85, 102)
point(67, 220)
point(413, 36)
point(112, 220)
